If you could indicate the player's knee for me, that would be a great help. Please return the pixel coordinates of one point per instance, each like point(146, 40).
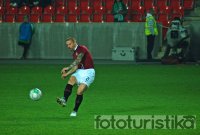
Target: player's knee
point(79, 93)
point(72, 80)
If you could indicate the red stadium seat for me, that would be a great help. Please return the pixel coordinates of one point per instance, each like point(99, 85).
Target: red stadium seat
point(84, 6)
point(25, 10)
point(108, 5)
point(166, 10)
point(136, 17)
point(175, 4)
point(1, 2)
point(71, 18)
point(108, 17)
point(73, 7)
point(84, 18)
point(59, 3)
point(97, 6)
point(97, 17)
point(177, 13)
point(12, 10)
point(10, 14)
point(61, 10)
point(135, 4)
point(49, 10)
point(148, 4)
point(2, 12)
point(36, 10)
point(35, 18)
point(161, 4)
point(60, 14)
point(36, 13)
point(188, 4)
point(47, 16)
point(59, 18)
point(163, 17)
point(10, 18)
point(7, 4)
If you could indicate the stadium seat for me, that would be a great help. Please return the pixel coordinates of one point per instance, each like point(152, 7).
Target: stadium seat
point(12, 10)
point(177, 13)
point(165, 10)
point(36, 10)
point(47, 18)
point(175, 4)
point(60, 3)
point(36, 13)
point(137, 12)
point(161, 4)
point(97, 6)
point(10, 14)
point(10, 18)
point(97, 17)
point(84, 6)
point(136, 17)
point(25, 10)
point(48, 13)
point(108, 18)
point(188, 4)
point(2, 12)
point(71, 18)
point(108, 6)
point(61, 10)
point(60, 14)
point(135, 4)
point(148, 4)
point(73, 7)
point(1, 3)
point(163, 17)
point(84, 18)
point(59, 18)
point(7, 4)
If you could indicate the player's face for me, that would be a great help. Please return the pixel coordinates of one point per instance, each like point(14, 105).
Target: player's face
point(70, 45)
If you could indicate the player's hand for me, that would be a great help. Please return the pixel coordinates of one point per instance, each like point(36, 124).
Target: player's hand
point(63, 71)
point(64, 75)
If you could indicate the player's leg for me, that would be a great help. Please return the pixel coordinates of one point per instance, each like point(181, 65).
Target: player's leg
point(79, 98)
point(25, 52)
point(67, 91)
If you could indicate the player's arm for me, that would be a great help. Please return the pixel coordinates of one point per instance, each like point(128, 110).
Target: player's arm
point(72, 70)
point(74, 63)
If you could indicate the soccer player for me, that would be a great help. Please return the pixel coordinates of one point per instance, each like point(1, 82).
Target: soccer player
point(82, 73)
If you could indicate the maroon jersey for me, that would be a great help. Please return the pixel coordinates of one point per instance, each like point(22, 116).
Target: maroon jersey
point(86, 61)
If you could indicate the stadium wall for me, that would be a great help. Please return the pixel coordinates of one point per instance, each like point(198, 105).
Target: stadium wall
point(49, 39)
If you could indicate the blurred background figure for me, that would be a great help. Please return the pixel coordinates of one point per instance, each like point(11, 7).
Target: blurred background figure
point(177, 38)
point(119, 10)
point(150, 31)
point(25, 36)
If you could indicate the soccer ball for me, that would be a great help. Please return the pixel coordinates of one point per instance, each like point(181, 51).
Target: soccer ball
point(35, 94)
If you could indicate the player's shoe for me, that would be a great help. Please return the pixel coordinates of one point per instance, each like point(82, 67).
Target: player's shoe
point(73, 114)
point(61, 101)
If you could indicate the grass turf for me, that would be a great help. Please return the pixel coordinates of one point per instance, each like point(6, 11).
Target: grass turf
point(117, 90)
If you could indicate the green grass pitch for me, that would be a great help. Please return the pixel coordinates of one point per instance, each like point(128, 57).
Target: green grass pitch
point(117, 90)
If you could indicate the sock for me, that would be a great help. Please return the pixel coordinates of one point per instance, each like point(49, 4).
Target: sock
point(68, 91)
point(79, 99)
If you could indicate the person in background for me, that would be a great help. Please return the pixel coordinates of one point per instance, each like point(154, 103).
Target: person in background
point(25, 36)
point(44, 3)
point(150, 31)
point(19, 3)
point(119, 11)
